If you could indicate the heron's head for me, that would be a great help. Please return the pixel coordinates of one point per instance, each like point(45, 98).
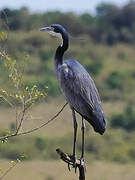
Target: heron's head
point(56, 30)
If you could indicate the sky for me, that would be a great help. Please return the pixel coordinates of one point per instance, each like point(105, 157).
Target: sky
point(78, 6)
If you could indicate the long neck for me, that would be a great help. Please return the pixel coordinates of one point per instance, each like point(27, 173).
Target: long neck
point(60, 51)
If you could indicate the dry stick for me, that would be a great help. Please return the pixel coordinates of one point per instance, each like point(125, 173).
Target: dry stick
point(70, 161)
point(32, 130)
point(54, 117)
point(16, 118)
point(22, 118)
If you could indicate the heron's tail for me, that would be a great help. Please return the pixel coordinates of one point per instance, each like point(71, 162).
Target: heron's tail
point(98, 120)
point(99, 125)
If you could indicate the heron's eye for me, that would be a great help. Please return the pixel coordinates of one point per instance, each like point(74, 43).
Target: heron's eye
point(56, 31)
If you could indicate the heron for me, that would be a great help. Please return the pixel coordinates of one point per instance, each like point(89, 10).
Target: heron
point(78, 88)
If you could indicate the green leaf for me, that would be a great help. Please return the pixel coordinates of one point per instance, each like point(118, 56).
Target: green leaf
point(13, 163)
point(24, 155)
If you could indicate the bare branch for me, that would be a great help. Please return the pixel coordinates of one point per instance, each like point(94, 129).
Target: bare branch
point(44, 124)
point(34, 129)
point(22, 119)
point(16, 118)
point(6, 100)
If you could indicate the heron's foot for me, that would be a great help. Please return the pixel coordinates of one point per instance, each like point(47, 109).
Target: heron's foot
point(74, 162)
point(82, 162)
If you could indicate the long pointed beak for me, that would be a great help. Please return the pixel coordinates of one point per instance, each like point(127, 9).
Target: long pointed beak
point(46, 29)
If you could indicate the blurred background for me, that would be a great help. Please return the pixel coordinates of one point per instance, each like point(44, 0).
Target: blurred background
point(102, 39)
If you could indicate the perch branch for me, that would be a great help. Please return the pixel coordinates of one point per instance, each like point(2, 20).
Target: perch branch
point(70, 161)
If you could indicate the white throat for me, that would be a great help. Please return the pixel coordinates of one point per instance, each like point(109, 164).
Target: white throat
point(57, 35)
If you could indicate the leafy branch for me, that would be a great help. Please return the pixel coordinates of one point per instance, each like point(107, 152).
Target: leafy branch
point(12, 165)
point(22, 99)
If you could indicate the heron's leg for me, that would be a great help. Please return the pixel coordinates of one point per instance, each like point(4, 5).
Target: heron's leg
point(75, 132)
point(83, 138)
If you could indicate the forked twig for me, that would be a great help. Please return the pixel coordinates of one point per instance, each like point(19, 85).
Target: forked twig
point(34, 129)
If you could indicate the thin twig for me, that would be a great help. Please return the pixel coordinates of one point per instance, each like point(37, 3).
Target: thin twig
point(44, 124)
point(6, 100)
point(8, 170)
point(21, 120)
point(16, 119)
point(1, 54)
point(35, 129)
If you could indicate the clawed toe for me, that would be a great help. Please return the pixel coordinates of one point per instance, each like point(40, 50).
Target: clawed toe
point(69, 167)
point(74, 162)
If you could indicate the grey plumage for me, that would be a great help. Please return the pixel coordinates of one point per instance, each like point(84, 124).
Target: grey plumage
point(81, 93)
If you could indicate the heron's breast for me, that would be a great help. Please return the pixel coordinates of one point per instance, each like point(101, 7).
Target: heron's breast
point(65, 68)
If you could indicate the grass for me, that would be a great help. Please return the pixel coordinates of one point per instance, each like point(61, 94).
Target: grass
point(54, 170)
point(59, 133)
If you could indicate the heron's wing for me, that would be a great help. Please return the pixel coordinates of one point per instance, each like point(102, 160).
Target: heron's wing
point(81, 93)
point(78, 87)
point(86, 89)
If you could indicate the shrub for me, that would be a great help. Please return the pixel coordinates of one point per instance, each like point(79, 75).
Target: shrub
point(45, 53)
point(40, 143)
point(34, 40)
point(125, 120)
point(94, 67)
point(118, 120)
point(115, 80)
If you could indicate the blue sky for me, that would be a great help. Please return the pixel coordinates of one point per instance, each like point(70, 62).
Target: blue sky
point(78, 6)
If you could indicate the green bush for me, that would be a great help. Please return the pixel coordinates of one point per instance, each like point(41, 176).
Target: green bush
point(41, 143)
point(35, 40)
point(115, 80)
point(125, 120)
point(45, 53)
point(94, 67)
